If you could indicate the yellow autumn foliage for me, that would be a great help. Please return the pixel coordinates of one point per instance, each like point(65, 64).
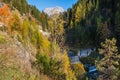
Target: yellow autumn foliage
point(79, 70)
point(67, 67)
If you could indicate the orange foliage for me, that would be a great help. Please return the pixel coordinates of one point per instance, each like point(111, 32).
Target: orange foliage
point(6, 16)
point(5, 11)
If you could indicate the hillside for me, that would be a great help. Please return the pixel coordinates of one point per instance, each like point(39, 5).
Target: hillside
point(26, 52)
point(90, 22)
point(82, 43)
point(17, 54)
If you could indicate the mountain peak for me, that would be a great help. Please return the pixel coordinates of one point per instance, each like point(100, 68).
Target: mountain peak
point(53, 10)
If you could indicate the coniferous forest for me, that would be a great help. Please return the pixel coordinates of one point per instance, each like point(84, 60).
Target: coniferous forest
point(81, 43)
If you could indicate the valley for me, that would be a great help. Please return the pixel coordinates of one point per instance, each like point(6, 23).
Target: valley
point(80, 43)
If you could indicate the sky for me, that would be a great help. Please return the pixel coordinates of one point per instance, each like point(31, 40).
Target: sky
point(42, 4)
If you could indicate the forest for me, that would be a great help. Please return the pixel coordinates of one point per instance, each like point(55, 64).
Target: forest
point(28, 54)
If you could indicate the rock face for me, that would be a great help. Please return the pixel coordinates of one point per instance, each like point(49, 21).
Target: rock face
point(16, 53)
point(53, 10)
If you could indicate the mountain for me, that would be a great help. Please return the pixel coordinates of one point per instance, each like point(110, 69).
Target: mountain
point(53, 10)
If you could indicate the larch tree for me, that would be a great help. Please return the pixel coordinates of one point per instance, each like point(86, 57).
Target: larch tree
point(78, 12)
point(17, 21)
point(70, 75)
point(79, 70)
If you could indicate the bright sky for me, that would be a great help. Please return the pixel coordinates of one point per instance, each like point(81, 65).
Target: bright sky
point(42, 4)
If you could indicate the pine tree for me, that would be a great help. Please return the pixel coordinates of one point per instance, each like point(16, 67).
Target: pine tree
point(109, 64)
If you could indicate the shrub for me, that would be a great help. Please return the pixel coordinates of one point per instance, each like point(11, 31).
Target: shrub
point(20, 38)
point(50, 66)
point(2, 39)
point(43, 62)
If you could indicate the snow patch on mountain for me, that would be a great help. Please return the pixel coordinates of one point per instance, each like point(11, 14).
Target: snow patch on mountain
point(54, 10)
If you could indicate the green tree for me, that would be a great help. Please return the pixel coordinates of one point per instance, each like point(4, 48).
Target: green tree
point(108, 65)
point(103, 31)
point(71, 24)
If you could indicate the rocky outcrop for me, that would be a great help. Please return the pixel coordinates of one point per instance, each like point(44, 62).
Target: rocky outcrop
point(17, 54)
